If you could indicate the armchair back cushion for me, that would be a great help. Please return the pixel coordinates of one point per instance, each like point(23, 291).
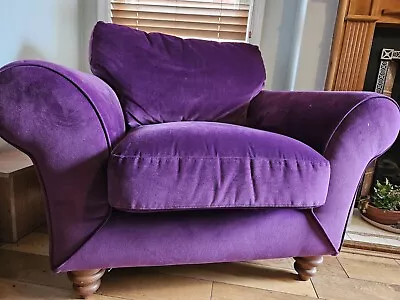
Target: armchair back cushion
point(160, 78)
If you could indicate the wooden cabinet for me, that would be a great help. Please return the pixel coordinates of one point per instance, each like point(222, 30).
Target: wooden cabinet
point(356, 23)
point(354, 31)
point(21, 201)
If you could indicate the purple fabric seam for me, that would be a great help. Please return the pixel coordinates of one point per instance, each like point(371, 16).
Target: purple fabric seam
point(221, 157)
point(56, 268)
point(324, 231)
point(313, 205)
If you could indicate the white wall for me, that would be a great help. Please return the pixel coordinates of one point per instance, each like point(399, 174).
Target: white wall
point(39, 29)
point(88, 16)
point(316, 45)
point(59, 31)
point(277, 41)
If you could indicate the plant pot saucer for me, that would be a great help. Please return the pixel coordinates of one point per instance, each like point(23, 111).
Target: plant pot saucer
point(390, 228)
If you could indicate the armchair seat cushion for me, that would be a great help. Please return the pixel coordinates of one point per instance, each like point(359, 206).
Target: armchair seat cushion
point(203, 165)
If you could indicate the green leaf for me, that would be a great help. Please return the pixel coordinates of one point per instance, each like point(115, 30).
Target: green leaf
point(386, 195)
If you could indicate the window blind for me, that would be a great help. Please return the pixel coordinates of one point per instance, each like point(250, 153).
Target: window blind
point(208, 19)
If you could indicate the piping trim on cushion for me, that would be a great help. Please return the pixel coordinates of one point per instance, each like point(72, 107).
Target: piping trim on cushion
point(283, 160)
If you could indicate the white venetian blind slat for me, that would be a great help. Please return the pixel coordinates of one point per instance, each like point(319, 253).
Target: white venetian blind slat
point(209, 19)
point(125, 14)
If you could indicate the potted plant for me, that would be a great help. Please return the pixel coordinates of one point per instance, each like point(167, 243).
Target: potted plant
point(384, 204)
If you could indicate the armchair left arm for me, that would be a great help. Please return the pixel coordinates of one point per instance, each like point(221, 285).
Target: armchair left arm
point(67, 122)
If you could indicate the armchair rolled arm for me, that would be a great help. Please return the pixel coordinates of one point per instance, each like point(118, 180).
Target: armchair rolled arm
point(67, 122)
point(348, 128)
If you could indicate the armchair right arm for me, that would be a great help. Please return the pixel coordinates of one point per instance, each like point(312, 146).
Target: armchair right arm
point(348, 128)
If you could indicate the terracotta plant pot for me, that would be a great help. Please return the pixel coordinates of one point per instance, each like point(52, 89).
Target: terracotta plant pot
point(387, 217)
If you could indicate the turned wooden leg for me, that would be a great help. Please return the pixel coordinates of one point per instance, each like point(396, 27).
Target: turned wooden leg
point(306, 267)
point(86, 282)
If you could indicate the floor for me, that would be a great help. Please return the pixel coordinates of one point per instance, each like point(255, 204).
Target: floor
point(361, 231)
point(354, 274)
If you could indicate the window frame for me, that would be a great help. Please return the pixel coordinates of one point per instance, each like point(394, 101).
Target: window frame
point(255, 23)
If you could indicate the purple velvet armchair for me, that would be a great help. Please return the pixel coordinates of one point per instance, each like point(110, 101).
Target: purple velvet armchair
point(171, 153)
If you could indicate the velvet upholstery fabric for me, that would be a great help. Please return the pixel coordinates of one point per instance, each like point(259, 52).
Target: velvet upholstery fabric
point(203, 236)
point(160, 78)
point(200, 165)
point(67, 122)
point(347, 128)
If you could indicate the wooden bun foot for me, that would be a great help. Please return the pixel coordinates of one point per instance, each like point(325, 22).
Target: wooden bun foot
point(306, 267)
point(86, 282)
